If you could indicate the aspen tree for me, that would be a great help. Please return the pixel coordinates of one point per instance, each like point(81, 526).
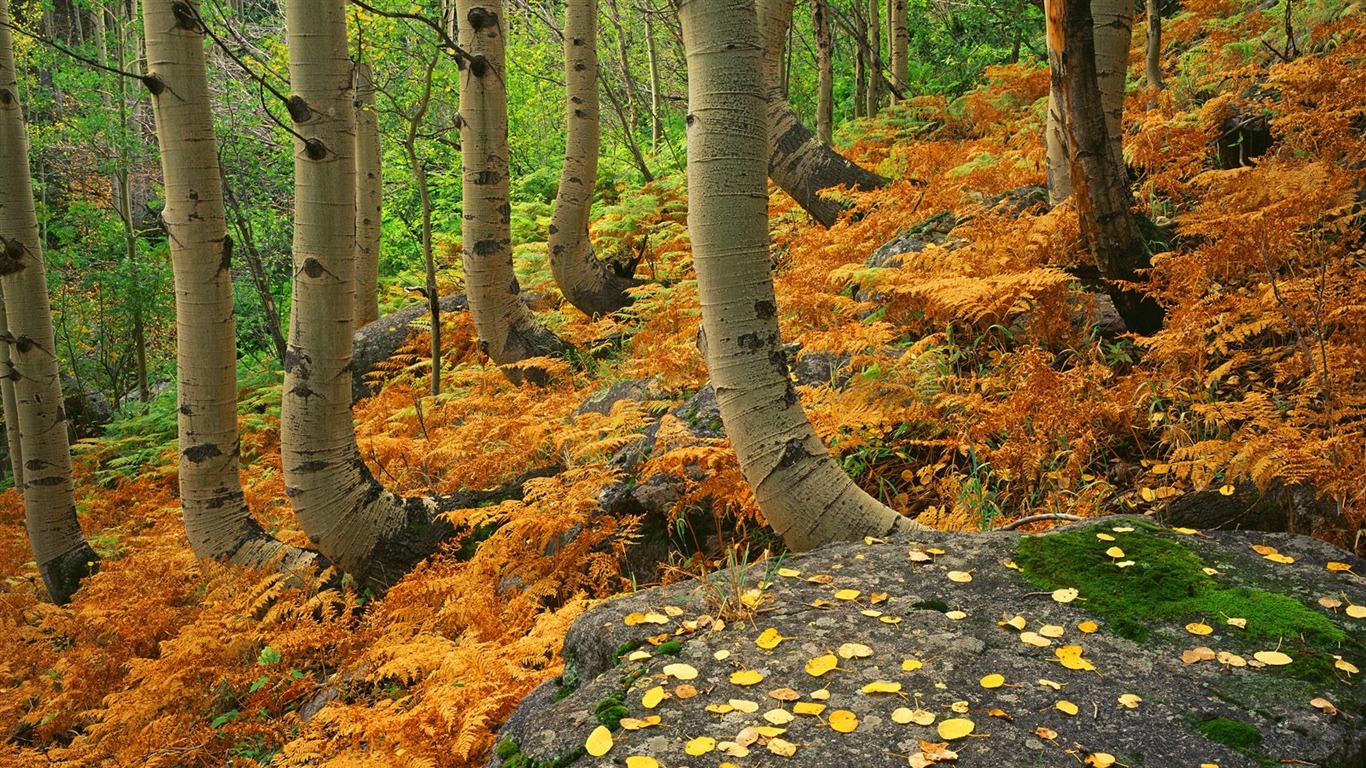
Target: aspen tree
point(217, 521)
point(367, 531)
point(900, 44)
point(874, 96)
point(11, 406)
point(1104, 205)
point(825, 77)
point(586, 282)
point(59, 548)
point(1152, 65)
point(799, 163)
point(1113, 24)
point(508, 331)
point(369, 197)
point(802, 492)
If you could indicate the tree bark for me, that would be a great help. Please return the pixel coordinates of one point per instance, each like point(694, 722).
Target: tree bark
point(825, 77)
point(900, 37)
point(585, 281)
point(1153, 61)
point(1113, 22)
point(59, 548)
point(874, 102)
point(801, 491)
point(798, 162)
point(656, 114)
point(369, 197)
point(367, 531)
point(11, 406)
point(861, 59)
point(217, 521)
point(1104, 205)
point(508, 331)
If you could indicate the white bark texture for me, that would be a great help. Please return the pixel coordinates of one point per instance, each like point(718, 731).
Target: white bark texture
point(369, 197)
point(59, 548)
point(802, 492)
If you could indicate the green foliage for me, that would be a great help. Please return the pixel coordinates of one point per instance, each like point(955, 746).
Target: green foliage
point(1231, 732)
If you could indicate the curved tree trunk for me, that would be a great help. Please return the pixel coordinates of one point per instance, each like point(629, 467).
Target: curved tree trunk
point(508, 331)
point(1152, 65)
point(369, 532)
point(802, 492)
point(900, 37)
point(825, 77)
point(1113, 23)
point(59, 548)
point(874, 58)
point(1104, 205)
point(798, 162)
point(860, 55)
point(369, 197)
point(217, 520)
point(586, 282)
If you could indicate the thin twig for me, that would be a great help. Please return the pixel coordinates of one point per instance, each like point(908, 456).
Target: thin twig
point(1012, 525)
point(144, 79)
point(451, 46)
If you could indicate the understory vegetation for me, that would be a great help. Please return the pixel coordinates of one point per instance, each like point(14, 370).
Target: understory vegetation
point(976, 383)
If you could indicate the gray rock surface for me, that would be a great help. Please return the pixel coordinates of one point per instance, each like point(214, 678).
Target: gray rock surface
point(950, 655)
point(379, 340)
point(932, 231)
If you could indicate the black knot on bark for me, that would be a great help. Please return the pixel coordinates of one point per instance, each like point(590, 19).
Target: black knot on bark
point(314, 149)
point(299, 111)
point(313, 268)
point(482, 17)
point(690, 119)
point(6, 96)
point(154, 84)
point(185, 17)
point(11, 257)
point(479, 67)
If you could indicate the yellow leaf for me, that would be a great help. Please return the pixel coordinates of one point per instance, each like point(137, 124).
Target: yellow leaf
point(1045, 682)
point(1089, 627)
point(744, 705)
point(821, 695)
point(599, 741)
point(653, 697)
point(1199, 628)
point(961, 577)
point(1264, 550)
point(854, 651)
point(720, 709)
point(673, 610)
point(1161, 469)
point(1279, 558)
point(955, 728)
point(1066, 707)
point(1105, 537)
point(1017, 623)
point(890, 619)
point(807, 708)
point(1345, 666)
point(1186, 531)
point(784, 694)
point(1035, 639)
point(1226, 490)
point(700, 746)
point(1115, 552)
point(632, 619)
point(790, 573)
point(847, 594)
point(1339, 567)
point(877, 597)
point(935, 551)
point(820, 578)
point(955, 615)
point(992, 681)
point(961, 707)
point(871, 613)
point(1065, 595)
point(768, 731)
point(638, 656)
point(1231, 659)
point(1051, 630)
point(1100, 760)
point(1239, 623)
point(821, 664)
point(778, 716)
point(684, 692)
point(1197, 654)
point(1356, 611)
point(635, 724)
point(901, 715)
point(843, 720)
point(882, 686)
point(781, 747)
point(919, 557)
point(721, 655)
point(1323, 704)
point(1130, 700)
point(1272, 658)
point(680, 671)
point(911, 665)
point(746, 677)
point(655, 618)
point(1147, 493)
point(1045, 733)
point(769, 638)
point(641, 761)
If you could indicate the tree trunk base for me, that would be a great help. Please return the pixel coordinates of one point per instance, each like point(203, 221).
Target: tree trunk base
point(62, 576)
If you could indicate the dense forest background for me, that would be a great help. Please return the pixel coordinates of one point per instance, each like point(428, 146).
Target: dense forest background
point(971, 382)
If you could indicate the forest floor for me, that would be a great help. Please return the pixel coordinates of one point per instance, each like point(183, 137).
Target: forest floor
point(981, 389)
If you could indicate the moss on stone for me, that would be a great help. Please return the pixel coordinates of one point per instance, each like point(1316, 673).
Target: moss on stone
point(931, 605)
point(671, 648)
point(1231, 733)
point(623, 649)
point(611, 709)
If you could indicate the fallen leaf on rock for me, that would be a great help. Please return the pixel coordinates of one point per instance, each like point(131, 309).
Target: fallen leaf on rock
point(960, 707)
point(769, 639)
point(822, 664)
point(890, 619)
point(1264, 550)
point(721, 655)
point(744, 705)
point(1070, 656)
point(1130, 700)
point(955, 615)
point(1123, 529)
point(919, 557)
point(962, 577)
point(847, 594)
point(641, 761)
point(747, 736)
point(821, 578)
point(877, 597)
point(1187, 531)
point(779, 716)
point(1356, 611)
point(784, 694)
point(1239, 623)
point(1045, 733)
point(599, 741)
point(882, 686)
point(635, 724)
point(1099, 760)
point(911, 665)
point(821, 603)
point(843, 720)
point(1035, 639)
point(639, 656)
point(1065, 595)
point(700, 746)
point(634, 619)
point(955, 728)
point(720, 709)
point(1089, 627)
point(1278, 558)
point(854, 651)
point(680, 671)
point(1324, 705)
point(1210, 571)
point(992, 681)
point(653, 697)
point(871, 613)
point(1045, 682)
point(935, 551)
point(1199, 628)
point(790, 573)
point(807, 708)
point(1051, 630)
point(684, 692)
point(1345, 666)
point(1202, 653)
point(746, 677)
point(656, 618)
point(1336, 567)
point(1066, 707)
point(901, 715)
point(769, 731)
point(1001, 713)
point(781, 747)
point(732, 749)
point(1272, 658)
point(1231, 659)
point(821, 695)
point(1016, 623)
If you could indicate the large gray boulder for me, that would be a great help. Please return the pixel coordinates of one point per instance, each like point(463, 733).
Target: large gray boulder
point(938, 636)
point(379, 340)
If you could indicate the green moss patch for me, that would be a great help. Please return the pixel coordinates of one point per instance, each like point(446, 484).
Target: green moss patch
point(1231, 733)
point(1166, 583)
